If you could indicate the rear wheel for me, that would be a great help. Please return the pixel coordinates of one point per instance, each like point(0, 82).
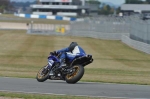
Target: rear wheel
point(76, 75)
point(43, 74)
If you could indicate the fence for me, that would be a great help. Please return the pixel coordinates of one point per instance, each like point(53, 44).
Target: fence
point(103, 27)
point(140, 30)
point(131, 30)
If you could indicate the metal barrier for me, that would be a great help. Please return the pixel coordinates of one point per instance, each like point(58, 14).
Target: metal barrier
point(102, 27)
point(140, 30)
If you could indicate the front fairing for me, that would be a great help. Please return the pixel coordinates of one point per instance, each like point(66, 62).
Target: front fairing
point(52, 59)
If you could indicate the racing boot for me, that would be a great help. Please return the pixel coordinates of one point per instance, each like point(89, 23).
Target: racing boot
point(62, 63)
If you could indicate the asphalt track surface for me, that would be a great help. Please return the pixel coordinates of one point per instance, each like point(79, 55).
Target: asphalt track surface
point(79, 89)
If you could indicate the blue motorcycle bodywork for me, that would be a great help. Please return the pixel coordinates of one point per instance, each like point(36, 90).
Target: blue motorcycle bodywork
point(69, 56)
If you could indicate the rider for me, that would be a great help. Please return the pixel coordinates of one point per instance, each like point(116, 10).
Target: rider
point(72, 49)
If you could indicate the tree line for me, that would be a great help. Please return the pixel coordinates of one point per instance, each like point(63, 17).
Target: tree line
point(8, 5)
point(22, 5)
point(137, 2)
point(103, 9)
point(5, 5)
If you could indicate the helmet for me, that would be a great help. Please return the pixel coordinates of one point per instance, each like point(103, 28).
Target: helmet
point(72, 46)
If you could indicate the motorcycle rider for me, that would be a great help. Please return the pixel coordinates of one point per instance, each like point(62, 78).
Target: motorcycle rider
point(73, 49)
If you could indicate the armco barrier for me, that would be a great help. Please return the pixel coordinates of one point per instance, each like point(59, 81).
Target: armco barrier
point(48, 17)
point(136, 44)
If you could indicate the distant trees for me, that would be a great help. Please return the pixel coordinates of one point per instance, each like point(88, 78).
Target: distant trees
point(106, 10)
point(5, 5)
point(95, 7)
point(137, 2)
point(24, 6)
point(133, 1)
point(118, 10)
point(148, 1)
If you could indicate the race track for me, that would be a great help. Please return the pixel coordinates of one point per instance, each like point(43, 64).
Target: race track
point(79, 89)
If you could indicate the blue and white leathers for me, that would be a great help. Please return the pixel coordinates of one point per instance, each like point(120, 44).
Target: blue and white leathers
point(77, 51)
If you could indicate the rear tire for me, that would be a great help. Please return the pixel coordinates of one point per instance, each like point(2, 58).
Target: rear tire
point(41, 77)
point(76, 76)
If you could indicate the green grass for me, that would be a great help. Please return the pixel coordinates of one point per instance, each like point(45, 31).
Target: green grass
point(40, 96)
point(16, 19)
point(22, 55)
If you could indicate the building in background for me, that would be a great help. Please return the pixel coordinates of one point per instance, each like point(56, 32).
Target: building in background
point(130, 9)
point(93, 9)
point(60, 7)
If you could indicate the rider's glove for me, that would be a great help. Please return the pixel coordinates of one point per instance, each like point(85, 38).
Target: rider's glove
point(53, 53)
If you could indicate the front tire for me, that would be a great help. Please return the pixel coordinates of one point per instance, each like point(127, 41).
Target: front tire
point(76, 75)
point(43, 74)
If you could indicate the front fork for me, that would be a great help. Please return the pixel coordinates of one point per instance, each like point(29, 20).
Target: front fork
point(45, 69)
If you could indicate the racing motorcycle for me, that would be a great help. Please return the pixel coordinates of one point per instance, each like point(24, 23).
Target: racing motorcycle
point(71, 72)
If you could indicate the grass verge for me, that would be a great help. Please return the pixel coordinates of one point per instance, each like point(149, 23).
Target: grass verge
point(8, 95)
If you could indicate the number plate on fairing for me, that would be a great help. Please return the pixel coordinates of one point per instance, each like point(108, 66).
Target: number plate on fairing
point(50, 62)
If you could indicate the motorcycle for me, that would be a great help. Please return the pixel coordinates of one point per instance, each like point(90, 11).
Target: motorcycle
point(71, 72)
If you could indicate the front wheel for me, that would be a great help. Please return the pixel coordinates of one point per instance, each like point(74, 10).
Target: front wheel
point(78, 72)
point(43, 74)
